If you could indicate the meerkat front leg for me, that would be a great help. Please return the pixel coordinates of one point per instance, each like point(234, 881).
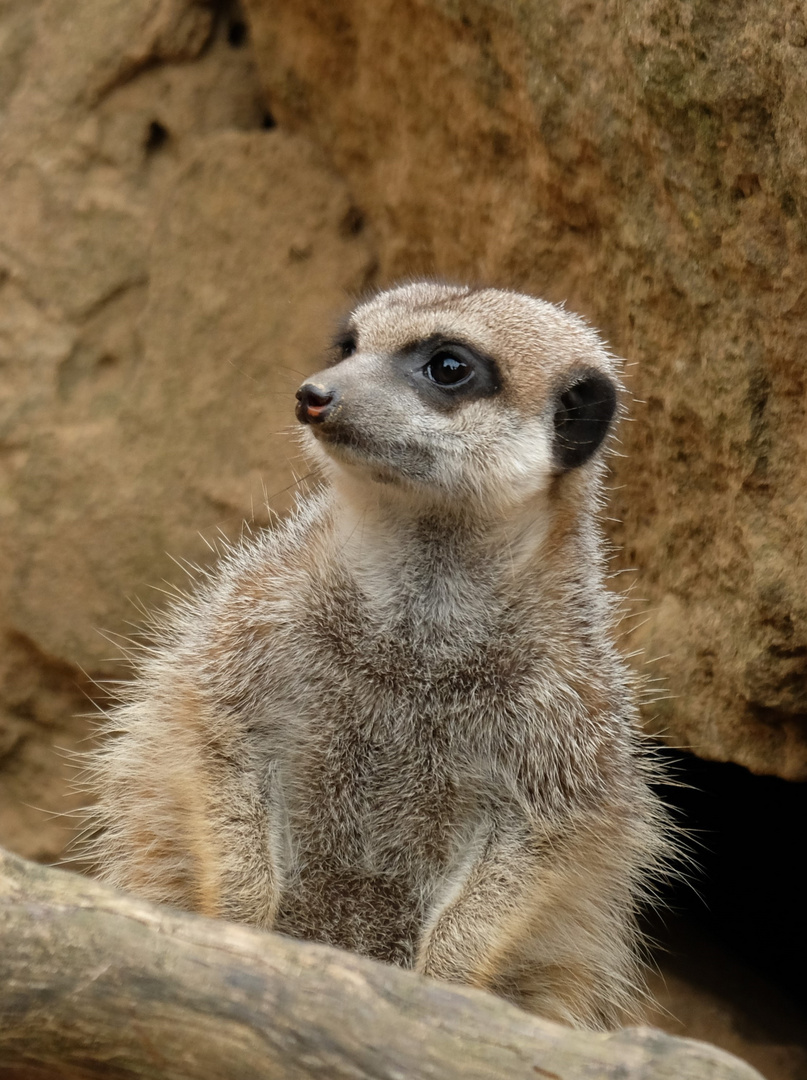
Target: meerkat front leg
point(185, 815)
point(473, 923)
point(543, 921)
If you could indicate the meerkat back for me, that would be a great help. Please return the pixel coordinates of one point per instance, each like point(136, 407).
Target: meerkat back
point(398, 722)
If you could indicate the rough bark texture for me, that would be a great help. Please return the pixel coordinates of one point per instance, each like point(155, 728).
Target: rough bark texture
point(645, 161)
point(96, 984)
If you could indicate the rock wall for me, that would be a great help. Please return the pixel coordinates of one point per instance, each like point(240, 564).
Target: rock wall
point(646, 162)
point(168, 264)
point(170, 261)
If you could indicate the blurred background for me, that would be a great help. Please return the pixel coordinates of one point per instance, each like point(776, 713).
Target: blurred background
point(191, 193)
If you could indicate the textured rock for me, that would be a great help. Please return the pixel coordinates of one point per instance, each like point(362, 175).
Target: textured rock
point(167, 266)
point(646, 161)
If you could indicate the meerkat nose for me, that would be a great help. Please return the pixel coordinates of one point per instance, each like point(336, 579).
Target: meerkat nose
point(314, 403)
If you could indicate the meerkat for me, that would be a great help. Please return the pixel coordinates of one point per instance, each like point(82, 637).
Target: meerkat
point(397, 722)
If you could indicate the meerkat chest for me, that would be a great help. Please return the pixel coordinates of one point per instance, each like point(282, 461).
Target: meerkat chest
point(394, 744)
point(387, 728)
point(380, 780)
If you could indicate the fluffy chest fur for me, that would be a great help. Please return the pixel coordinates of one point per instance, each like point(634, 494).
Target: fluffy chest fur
point(403, 733)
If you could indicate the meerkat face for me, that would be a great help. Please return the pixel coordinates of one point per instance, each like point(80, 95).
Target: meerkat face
point(461, 393)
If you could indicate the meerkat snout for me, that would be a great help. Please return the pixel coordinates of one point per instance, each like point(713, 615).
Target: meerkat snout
point(315, 403)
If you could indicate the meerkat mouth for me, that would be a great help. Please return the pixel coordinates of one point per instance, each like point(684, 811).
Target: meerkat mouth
point(341, 437)
point(388, 462)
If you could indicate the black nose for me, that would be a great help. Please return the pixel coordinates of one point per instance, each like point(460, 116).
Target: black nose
point(314, 404)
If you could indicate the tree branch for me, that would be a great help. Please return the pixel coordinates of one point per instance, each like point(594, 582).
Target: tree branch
point(94, 983)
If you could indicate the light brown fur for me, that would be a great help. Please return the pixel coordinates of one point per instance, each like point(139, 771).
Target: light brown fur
point(398, 722)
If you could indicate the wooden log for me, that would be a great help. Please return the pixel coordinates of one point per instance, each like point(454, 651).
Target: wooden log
point(94, 983)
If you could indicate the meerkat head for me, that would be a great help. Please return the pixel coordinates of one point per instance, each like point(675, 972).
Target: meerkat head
point(461, 394)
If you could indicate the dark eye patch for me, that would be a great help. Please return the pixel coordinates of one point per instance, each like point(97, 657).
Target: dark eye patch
point(344, 344)
point(583, 415)
point(447, 371)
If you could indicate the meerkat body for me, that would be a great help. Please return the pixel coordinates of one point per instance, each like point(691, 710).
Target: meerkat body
point(397, 723)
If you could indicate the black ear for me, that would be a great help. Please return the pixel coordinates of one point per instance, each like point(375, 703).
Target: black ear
point(583, 414)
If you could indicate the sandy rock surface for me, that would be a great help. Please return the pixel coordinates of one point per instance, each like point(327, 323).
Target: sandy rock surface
point(170, 262)
point(646, 162)
point(168, 269)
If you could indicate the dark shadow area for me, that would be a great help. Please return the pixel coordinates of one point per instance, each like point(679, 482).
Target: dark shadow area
point(237, 33)
point(156, 137)
point(747, 893)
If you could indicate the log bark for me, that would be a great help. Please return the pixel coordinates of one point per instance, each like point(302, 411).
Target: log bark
point(94, 983)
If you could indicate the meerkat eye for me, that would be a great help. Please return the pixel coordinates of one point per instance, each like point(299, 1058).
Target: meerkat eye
point(345, 345)
point(446, 369)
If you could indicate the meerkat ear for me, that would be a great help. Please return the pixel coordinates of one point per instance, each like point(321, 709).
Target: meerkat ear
point(583, 415)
